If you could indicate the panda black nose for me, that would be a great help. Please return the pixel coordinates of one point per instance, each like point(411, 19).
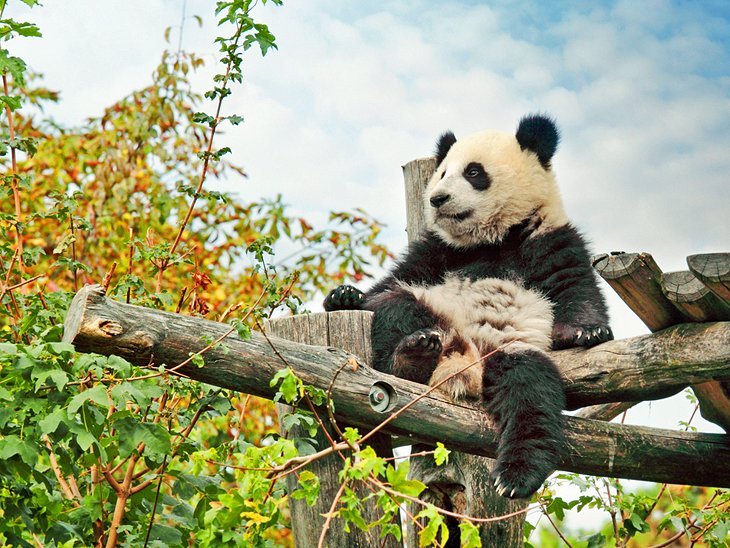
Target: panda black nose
point(438, 200)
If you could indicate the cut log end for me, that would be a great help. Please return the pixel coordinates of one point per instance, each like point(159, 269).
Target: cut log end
point(714, 271)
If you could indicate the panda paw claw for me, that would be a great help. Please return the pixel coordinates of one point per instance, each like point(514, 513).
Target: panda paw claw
point(516, 480)
point(568, 336)
point(344, 297)
point(422, 343)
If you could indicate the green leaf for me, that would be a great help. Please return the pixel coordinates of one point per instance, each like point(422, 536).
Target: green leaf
point(165, 534)
point(12, 102)
point(352, 435)
point(308, 487)
point(57, 376)
point(50, 422)
point(12, 445)
point(596, 541)
point(397, 477)
point(469, 535)
point(97, 394)
point(132, 433)
point(441, 454)
point(85, 440)
point(434, 526)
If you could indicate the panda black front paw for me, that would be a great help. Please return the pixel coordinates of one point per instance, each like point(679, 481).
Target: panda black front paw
point(568, 336)
point(344, 297)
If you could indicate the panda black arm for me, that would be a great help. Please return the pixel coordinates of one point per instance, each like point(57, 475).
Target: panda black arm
point(558, 264)
point(423, 264)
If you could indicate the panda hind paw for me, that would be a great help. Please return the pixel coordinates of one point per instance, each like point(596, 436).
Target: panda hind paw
point(416, 355)
point(569, 336)
point(424, 343)
point(344, 297)
point(517, 480)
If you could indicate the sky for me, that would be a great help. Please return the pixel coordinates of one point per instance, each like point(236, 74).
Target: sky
point(640, 91)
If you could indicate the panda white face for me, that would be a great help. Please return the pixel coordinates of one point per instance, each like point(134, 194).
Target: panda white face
point(490, 181)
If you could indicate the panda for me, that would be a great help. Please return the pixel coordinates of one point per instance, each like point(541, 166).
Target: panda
point(499, 277)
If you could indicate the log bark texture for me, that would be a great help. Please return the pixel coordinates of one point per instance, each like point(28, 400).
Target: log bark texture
point(146, 336)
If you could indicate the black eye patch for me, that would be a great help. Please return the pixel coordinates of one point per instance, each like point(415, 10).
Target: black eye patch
point(477, 177)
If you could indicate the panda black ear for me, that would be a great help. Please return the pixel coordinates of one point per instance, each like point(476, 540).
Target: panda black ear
point(443, 146)
point(539, 134)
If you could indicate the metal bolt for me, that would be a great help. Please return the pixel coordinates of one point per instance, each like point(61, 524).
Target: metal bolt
point(380, 397)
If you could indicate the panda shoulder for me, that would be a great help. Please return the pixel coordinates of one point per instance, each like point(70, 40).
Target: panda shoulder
point(561, 241)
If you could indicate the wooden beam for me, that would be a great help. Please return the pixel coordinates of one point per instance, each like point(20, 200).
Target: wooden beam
point(647, 367)
point(143, 336)
point(636, 278)
point(662, 300)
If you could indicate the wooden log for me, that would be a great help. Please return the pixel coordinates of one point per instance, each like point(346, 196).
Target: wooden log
point(697, 303)
point(416, 175)
point(463, 483)
point(692, 298)
point(713, 269)
point(605, 411)
point(636, 279)
point(639, 282)
point(349, 331)
point(647, 367)
point(146, 336)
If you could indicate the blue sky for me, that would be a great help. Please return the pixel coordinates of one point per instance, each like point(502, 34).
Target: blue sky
point(640, 90)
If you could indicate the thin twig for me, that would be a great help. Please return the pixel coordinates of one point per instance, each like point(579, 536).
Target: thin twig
point(13, 180)
point(154, 505)
point(328, 520)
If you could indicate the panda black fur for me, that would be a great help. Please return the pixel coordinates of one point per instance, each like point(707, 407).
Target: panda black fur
point(499, 268)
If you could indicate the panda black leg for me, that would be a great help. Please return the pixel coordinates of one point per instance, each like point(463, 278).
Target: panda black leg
point(398, 315)
point(524, 393)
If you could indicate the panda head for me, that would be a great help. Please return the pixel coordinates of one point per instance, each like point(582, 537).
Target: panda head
point(491, 181)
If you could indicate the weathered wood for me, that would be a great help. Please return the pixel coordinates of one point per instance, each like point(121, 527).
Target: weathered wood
point(463, 483)
point(697, 303)
point(692, 298)
point(146, 336)
point(605, 411)
point(639, 282)
point(647, 367)
point(416, 175)
point(349, 331)
point(713, 269)
point(613, 371)
point(636, 279)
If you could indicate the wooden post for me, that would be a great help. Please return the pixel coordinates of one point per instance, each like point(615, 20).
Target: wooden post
point(348, 330)
point(463, 484)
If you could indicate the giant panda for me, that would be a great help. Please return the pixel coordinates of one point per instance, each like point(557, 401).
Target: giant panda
point(499, 272)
